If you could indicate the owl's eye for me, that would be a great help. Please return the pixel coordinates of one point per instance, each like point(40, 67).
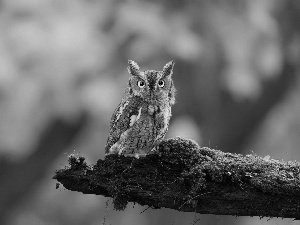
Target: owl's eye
point(161, 83)
point(141, 83)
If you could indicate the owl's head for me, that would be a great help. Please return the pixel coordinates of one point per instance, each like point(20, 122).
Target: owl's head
point(154, 87)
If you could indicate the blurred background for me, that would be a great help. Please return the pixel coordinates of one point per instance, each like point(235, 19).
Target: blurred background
point(63, 72)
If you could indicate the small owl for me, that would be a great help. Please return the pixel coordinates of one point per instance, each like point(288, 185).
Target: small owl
point(141, 120)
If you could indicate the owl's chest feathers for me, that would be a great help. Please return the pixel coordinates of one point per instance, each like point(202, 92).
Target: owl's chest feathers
point(139, 118)
point(151, 118)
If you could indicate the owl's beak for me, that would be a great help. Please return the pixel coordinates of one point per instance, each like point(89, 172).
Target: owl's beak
point(152, 94)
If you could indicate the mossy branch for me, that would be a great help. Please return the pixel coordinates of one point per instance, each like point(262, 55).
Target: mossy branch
point(185, 177)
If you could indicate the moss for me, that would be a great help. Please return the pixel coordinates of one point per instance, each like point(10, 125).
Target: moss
point(77, 161)
point(183, 176)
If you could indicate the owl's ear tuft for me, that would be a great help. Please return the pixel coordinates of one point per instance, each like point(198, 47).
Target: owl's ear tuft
point(168, 68)
point(133, 68)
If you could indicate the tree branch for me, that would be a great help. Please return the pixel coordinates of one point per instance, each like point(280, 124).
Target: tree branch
point(182, 176)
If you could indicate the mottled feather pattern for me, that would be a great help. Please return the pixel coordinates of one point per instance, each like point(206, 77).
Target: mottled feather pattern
point(121, 122)
point(141, 120)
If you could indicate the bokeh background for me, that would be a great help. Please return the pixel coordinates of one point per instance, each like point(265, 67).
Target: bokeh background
point(63, 72)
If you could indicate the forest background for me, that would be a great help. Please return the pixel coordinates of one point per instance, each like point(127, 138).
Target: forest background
point(63, 72)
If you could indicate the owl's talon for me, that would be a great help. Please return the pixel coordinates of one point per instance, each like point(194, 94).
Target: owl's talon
point(136, 155)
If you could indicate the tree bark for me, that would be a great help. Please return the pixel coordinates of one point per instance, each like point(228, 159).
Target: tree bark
point(183, 176)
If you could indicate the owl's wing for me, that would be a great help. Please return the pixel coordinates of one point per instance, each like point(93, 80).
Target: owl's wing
point(121, 121)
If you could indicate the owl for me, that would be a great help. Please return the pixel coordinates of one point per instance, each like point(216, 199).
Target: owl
point(141, 120)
